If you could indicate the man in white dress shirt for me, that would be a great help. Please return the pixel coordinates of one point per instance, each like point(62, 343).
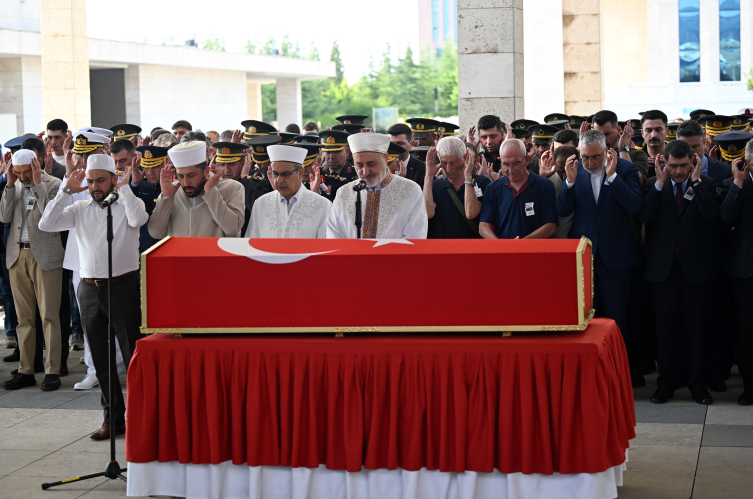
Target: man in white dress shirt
point(89, 219)
point(393, 207)
point(292, 210)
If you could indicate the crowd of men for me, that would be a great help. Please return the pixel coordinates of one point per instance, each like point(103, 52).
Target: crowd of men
point(668, 208)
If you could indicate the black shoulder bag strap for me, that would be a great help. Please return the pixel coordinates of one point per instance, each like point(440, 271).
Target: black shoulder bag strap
point(461, 208)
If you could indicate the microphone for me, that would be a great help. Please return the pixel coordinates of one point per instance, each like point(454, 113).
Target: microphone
point(360, 185)
point(111, 198)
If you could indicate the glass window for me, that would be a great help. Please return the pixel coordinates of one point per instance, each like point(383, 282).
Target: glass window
point(435, 20)
point(446, 15)
point(729, 40)
point(690, 46)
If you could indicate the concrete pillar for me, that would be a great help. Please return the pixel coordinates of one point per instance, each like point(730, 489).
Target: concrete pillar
point(709, 33)
point(21, 94)
point(65, 61)
point(133, 94)
point(490, 60)
point(581, 35)
point(289, 102)
point(253, 91)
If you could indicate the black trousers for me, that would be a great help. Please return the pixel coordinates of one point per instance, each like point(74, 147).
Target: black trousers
point(743, 317)
point(682, 325)
point(611, 297)
point(126, 318)
point(722, 336)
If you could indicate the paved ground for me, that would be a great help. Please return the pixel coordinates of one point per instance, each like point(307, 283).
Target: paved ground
point(682, 449)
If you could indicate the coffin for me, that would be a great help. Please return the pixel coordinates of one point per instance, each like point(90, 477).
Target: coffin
point(232, 285)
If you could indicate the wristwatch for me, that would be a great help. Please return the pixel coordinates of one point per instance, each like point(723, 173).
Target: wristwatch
point(623, 148)
point(696, 183)
point(470, 182)
point(67, 190)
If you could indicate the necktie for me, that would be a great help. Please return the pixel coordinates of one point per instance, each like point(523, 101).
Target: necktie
point(678, 195)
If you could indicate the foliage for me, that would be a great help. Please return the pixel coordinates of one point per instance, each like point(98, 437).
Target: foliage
point(750, 79)
point(214, 42)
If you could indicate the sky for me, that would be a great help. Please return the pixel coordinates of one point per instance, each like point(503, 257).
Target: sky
point(362, 29)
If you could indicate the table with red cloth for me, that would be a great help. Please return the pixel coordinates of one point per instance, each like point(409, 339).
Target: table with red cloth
point(530, 403)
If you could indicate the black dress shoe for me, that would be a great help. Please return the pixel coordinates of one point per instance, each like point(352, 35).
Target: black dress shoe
point(702, 397)
point(661, 396)
point(637, 380)
point(20, 381)
point(717, 383)
point(746, 398)
point(14, 357)
point(51, 383)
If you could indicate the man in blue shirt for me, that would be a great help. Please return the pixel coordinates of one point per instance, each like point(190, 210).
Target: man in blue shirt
point(453, 203)
point(521, 204)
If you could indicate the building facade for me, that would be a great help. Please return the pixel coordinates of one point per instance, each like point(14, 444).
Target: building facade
point(437, 24)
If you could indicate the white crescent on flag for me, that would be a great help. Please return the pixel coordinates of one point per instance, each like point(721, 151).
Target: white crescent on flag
point(241, 247)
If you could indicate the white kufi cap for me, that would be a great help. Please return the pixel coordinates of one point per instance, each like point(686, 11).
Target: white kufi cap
point(188, 154)
point(23, 157)
point(100, 162)
point(369, 142)
point(286, 153)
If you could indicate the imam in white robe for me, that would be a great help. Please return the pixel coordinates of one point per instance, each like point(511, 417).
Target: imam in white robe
point(306, 219)
point(393, 210)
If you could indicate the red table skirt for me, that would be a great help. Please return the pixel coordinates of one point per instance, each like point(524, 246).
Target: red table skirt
point(533, 403)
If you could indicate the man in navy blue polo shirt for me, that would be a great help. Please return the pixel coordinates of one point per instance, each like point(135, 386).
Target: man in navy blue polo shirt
point(521, 204)
point(453, 202)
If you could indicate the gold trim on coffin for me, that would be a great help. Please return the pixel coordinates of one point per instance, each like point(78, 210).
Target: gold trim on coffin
point(583, 318)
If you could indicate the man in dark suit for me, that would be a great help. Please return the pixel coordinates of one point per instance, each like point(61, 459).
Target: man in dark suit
point(603, 191)
point(736, 212)
point(720, 344)
point(415, 169)
point(680, 210)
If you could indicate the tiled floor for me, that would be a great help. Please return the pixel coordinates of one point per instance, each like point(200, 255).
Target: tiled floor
point(682, 449)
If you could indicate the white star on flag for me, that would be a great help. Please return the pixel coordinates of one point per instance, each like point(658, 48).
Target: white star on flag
point(382, 242)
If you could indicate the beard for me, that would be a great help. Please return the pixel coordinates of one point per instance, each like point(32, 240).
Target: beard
point(100, 196)
point(192, 192)
point(373, 179)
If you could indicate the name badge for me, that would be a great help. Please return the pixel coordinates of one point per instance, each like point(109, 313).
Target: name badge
point(478, 192)
point(689, 194)
point(529, 209)
point(30, 204)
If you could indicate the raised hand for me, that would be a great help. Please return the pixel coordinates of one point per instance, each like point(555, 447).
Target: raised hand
point(166, 181)
point(494, 176)
point(48, 163)
point(146, 140)
point(714, 152)
point(484, 166)
point(215, 178)
point(76, 182)
point(67, 141)
point(469, 164)
point(11, 176)
point(509, 135)
point(546, 164)
point(696, 173)
point(571, 169)
point(36, 171)
point(471, 137)
point(661, 173)
point(70, 165)
point(246, 163)
point(6, 162)
point(584, 128)
point(40, 135)
point(237, 135)
point(402, 170)
point(126, 178)
point(611, 162)
point(315, 179)
point(431, 164)
point(627, 135)
point(136, 174)
point(740, 174)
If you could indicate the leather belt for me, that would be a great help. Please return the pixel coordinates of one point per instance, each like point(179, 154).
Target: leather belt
point(103, 282)
point(25, 245)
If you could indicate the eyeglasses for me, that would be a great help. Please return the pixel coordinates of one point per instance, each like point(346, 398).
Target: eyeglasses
point(282, 174)
point(592, 159)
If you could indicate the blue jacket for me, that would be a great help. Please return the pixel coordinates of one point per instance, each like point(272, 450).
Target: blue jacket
point(608, 224)
point(148, 193)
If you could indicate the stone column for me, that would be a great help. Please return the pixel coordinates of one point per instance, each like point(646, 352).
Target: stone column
point(289, 102)
point(65, 62)
point(21, 94)
point(133, 95)
point(490, 60)
point(253, 91)
point(709, 33)
point(581, 34)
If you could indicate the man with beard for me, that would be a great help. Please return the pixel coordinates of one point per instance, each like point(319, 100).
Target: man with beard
point(491, 133)
point(145, 185)
point(603, 191)
point(198, 205)
point(233, 159)
point(654, 131)
point(394, 207)
point(89, 219)
point(520, 205)
point(401, 135)
point(619, 140)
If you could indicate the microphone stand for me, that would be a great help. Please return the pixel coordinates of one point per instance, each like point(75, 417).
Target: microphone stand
point(359, 223)
point(113, 469)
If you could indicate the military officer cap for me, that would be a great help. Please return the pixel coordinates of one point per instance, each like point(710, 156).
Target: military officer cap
point(352, 119)
point(254, 128)
point(419, 152)
point(309, 139)
point(152, 156)
point(732, 144)
point(259, 147)
point(95, 129)
point(715, 124)
point(422, 127)
point(543, 134)
point(699, 113)
point(394, 152)
point(577, 121)
point(521, 133)
point(229, 152)
point(312, 150)
point(671, 132)
point(740, 122)
point(447, 129)
point(125, 131)
point(287, 138)
point(636, 124)
point(556, 117)
point(523, 126)
point(334, 140)
point(86, 142)
point(15, 144)
point(349, 129)
point(638, 141)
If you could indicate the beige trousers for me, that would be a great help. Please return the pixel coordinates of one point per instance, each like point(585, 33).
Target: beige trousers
point(31, 286)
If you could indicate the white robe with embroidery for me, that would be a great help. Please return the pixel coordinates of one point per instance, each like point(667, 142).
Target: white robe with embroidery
point(307, 218)
point(402, 212)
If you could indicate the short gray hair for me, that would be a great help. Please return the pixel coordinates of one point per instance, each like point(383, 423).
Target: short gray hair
point(749, 150)
point(451, 146)
point(513, 143)
point(196, 135)
point(592, 137)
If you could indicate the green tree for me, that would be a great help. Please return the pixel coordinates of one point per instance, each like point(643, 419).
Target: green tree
point(335, 57)
point(214, 42)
